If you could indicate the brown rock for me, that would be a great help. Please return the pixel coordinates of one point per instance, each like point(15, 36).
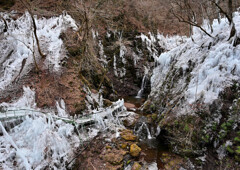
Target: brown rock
point(136, 166)
point(107, 102)
point(115, 157)
point(128, 135)
point(135, 150)
point(129, 106)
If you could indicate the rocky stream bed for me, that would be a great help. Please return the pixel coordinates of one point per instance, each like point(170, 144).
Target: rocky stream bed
point(140, 145)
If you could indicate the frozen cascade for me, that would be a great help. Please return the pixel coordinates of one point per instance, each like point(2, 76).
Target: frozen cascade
point(38, 141)
point(108, 118)
point(140, 92)
point(27, 101)
point(100, 121)
point(18, 152)
point(41, 141)
point(142, 127)
point(216, 67)
point(119, 70)
point(144, 83)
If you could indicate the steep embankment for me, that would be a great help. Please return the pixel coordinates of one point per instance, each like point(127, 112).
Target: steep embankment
point(194, 83)
point(46, 135)
point(195, 92)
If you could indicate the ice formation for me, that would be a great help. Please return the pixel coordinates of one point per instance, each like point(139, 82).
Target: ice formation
point(39, 141)
point(27, 101)
point(216, 62)
point(46, 139)
point(19, 44)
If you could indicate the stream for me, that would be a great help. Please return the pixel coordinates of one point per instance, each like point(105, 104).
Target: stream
point(151, 140)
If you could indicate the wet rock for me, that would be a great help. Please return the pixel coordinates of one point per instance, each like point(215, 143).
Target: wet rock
point(135, 150)
point(136, 166)
point(128, 135)
point(147, 107)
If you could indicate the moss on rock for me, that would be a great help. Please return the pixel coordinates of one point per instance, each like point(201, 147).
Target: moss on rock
point(135, 150)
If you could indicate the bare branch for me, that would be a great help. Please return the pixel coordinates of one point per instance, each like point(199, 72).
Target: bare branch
point(181, 19)
point(5, 22)
point(222, 11)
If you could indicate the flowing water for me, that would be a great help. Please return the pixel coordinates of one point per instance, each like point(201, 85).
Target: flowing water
point(140, 92)
point(151, 139)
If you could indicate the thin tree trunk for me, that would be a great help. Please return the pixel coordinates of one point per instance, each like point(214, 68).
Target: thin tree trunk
point(5, 22)
point(230, 8)
point(36, 37)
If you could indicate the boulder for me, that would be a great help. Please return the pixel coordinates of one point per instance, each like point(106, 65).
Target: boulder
point(128, 135)
point(107, 103)
point(135, 150)
point(115, 157)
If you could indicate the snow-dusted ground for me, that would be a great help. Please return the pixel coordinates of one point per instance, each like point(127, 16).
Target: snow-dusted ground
point(216, 63)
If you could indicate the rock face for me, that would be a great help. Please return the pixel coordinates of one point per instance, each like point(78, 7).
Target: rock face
point(135, 150)
point(128, 56)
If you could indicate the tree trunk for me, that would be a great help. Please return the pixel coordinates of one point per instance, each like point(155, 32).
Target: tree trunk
point(230, 8)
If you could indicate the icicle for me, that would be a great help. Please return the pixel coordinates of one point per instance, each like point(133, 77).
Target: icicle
point(18, 151)
point(99, 121)
point(61, 108)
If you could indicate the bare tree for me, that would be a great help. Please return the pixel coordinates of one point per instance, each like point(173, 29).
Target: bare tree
point(188, 11)
point(185, 11)
point(229, 15)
